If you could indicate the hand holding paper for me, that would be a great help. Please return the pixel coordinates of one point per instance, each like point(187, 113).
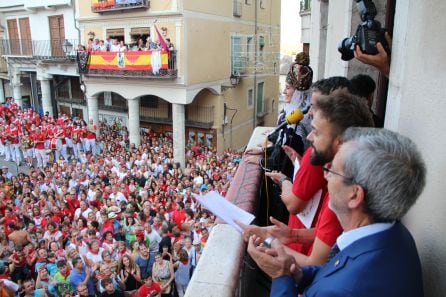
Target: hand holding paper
point(225, 210)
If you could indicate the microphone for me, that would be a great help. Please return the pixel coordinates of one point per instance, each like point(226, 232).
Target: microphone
point(293, 118)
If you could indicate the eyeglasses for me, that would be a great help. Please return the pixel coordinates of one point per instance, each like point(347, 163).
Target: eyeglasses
point(328, 170)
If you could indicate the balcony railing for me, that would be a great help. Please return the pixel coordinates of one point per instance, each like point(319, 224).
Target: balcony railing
point(196, 116)
point(200, 116)
point(116, 5)
point(150, 64)
point(43, 49)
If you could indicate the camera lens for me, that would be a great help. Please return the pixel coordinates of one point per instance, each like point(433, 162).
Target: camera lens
point(346, 47)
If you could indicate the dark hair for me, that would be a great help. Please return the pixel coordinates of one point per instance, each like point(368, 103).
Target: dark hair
point(76, 260)
point(106, 281)
point(344, 110)
point(328, 85)
point(362, 85)
point(61, 263)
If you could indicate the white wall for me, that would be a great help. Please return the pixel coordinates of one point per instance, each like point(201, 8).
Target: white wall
point(416, 108)
point(39, 24)
point(339, 27)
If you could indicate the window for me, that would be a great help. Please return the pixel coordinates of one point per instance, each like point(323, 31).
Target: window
point(149, 101)
point(249, 49)
point(236, 55)
point(260, 98)
point(237, 8)
point(250, 98)
point(117, 33)
point(107, 99)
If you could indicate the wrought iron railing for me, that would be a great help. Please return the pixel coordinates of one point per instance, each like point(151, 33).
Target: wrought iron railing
point(54, 48)
point(200, 116)
point(112, 5)
point(129, 64)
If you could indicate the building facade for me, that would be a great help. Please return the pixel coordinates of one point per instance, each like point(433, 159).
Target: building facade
point(218, 83)
point(38, 58)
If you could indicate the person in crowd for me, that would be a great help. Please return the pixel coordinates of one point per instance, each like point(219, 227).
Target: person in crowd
point(374, 179)
point(163, 274)
point(129, 273)
point(82, 275)
point(182, 272)
point(149, 288)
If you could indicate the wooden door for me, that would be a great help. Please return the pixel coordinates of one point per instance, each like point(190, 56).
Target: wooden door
point(25, 33)
point(14, 41)
point(57, 35)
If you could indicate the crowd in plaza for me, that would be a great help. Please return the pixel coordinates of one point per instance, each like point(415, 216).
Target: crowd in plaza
point(96, 215)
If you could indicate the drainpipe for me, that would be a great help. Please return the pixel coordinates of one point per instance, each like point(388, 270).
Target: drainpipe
point(254, 119)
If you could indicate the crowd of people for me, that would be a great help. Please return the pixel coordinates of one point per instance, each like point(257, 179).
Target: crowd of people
point(116, 45)
point(96, 215)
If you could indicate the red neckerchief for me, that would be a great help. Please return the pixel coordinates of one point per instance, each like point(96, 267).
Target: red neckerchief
point(94, 253)
point(108, 241)
point(184, 262)
point(67, 274)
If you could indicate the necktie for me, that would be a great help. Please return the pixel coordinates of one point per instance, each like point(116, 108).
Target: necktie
point(333, 252)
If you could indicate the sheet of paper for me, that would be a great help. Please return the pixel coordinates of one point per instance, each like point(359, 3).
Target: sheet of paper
point(225, 210)
point(306, 216)
point(296, 167)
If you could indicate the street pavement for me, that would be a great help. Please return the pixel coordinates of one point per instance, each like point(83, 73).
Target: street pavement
point(12, 167)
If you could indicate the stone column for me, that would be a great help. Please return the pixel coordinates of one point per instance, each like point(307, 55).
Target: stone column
point(16, 87)
point(47, 104)
point(179, 140)
point(134, 135)
point(2, 92)
point(92, 105)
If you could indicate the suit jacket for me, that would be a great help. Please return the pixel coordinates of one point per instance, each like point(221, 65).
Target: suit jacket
point(382, 264)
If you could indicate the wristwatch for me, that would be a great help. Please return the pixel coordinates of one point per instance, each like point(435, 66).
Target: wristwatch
point(268, 241)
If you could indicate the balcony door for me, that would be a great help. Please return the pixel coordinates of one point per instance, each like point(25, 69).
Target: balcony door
point(14, 40)
point(25, 34)
point(57, 35)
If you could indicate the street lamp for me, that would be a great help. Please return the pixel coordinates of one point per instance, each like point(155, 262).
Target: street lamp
point(67, 47)
point(235, 79)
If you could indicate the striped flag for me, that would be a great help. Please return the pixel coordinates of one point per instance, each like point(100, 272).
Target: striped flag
point(161, 40)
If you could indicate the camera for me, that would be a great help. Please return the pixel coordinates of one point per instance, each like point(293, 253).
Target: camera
point(367, 35)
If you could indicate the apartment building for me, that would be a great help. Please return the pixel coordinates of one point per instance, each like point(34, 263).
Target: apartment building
point(38, 61)
point(218, 83)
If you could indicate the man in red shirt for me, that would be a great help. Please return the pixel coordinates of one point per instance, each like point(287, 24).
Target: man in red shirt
point(9, 218)
point(150, 288)
point(179, 215)
point(90, 142)
point(39, 142)
point(14, 146)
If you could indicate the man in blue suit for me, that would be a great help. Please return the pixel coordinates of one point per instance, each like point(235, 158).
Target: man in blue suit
point(374, 179)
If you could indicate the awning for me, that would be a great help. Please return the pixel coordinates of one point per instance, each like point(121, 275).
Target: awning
point(115, 32)
point(140, 31)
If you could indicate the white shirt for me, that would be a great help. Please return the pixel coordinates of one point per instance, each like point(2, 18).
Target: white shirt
point(349, 237)
point(119, 197)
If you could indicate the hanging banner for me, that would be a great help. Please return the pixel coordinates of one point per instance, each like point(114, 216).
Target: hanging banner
point(140, 60)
